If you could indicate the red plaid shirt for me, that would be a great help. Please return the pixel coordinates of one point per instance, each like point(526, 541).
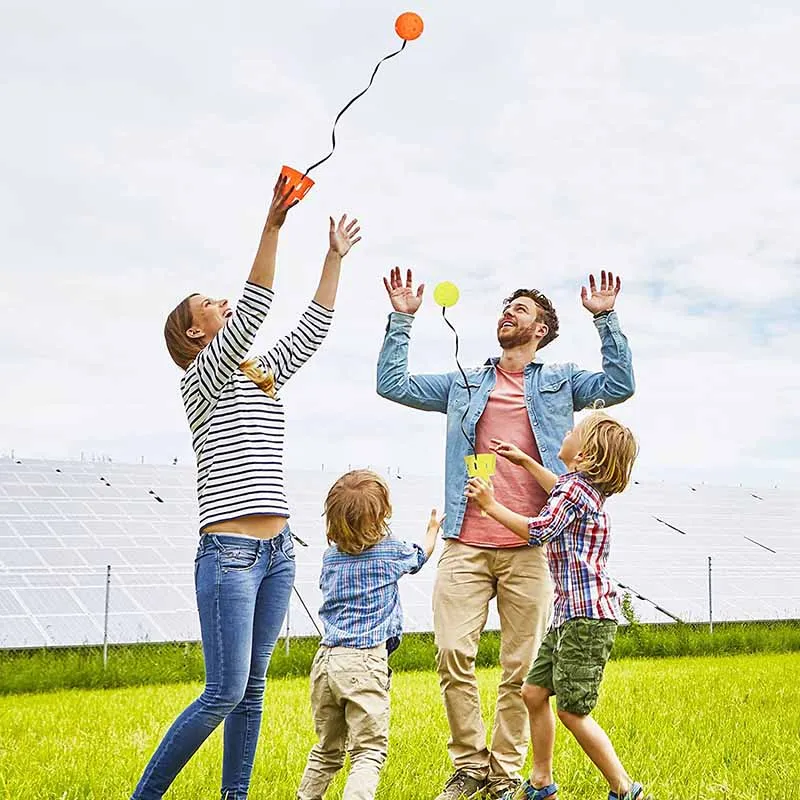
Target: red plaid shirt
point(574, 526)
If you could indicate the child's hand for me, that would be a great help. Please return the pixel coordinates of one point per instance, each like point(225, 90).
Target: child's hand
point(434, 526)
point(434, 523)
point(481, 492)
point(509, 451)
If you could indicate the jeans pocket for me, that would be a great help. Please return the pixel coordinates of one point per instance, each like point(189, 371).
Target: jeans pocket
point(287, 546)
point(237, 556)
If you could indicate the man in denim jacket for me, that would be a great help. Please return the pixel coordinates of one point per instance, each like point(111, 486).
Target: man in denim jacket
point(515, 398)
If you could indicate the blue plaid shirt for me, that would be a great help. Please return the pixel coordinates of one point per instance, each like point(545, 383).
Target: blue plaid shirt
point(360, 601)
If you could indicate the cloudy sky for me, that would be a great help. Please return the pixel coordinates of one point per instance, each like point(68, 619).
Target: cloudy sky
point(514, 144)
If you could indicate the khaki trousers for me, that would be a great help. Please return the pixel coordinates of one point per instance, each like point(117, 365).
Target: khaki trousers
point(467, 579)
point(350, 705)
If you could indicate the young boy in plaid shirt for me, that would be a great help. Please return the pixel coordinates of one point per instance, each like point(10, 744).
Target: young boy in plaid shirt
point(363, 623)
point(599, 454)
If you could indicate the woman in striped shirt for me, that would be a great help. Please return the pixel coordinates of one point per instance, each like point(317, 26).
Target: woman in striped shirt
point(244, 570)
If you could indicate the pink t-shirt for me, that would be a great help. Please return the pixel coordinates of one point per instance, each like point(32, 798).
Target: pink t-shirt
point(505, 417)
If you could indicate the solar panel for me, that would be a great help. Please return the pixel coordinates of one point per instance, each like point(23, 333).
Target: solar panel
point(158, 598)
point(23, 491)
point(70, 629)
point(47, 577)
point(135, 510)
point(40, 508)
point(142, 556)
point(61, 557)
point(54, 601)
point(48, 491)
point(21, 632)
point(79, 492)
point(93, 598)
point(134, 627)
point(662, 537)
point(65, 528)
point(101, 556)
point(104, 527)
point(10, 508)
point(177, 626)
point(9, 605)
point(20, 558)
point(35, 477)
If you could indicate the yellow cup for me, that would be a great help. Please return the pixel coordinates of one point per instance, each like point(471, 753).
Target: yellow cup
point(481, 465)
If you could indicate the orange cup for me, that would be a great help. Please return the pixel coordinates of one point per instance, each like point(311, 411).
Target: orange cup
point(302, 183)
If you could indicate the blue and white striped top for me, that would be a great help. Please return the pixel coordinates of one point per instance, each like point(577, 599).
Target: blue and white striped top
point(237, 429)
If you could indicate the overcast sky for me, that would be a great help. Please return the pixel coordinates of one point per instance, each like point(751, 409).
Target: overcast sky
point(514, 144)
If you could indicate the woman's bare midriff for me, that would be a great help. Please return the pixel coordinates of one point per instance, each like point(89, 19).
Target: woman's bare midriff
point(261, 526)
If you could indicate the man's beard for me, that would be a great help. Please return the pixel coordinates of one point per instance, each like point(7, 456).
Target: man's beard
point(519, 337)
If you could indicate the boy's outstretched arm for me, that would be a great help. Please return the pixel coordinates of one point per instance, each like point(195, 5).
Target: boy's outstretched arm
point(410, 557)
point(553, 519)
point(432, 533)
point(545, 478)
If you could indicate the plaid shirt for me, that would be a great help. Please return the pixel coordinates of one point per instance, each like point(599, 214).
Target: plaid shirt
point(574, 526)
point(360, 601)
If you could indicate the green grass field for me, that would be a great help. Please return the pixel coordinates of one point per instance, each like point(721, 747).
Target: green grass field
point(46, 670)
point(699, 728)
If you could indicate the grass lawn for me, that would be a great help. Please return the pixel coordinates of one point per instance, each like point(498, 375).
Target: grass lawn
point(699, 728)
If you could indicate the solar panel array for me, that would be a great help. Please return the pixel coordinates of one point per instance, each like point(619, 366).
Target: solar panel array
point(63, 523)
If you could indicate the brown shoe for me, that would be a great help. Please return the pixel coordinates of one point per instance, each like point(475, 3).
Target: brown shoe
point(462, 786)
point(502, 789)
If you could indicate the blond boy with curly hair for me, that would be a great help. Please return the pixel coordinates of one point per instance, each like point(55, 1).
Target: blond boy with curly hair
point(599, 453)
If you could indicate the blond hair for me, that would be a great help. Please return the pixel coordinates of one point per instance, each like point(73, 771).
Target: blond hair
point(183, 349)
point(357, 510)
point(608, 450)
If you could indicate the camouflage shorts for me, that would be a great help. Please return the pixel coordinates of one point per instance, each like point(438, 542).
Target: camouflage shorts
point(571, 660)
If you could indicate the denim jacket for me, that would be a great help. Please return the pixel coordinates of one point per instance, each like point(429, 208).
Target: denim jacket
point(553, 392)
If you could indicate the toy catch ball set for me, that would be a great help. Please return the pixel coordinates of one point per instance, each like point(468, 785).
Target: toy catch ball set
point(479, 465)
point(408, 26)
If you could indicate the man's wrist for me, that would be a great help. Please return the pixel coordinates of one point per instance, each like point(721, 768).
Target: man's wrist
point(601, 314)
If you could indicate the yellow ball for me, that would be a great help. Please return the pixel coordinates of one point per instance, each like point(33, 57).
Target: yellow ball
point(446, 294)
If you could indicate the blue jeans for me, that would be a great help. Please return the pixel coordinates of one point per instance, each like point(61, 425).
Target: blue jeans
point(243, 588)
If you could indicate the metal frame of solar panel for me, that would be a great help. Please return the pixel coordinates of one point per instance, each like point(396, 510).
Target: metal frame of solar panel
point(63, 522)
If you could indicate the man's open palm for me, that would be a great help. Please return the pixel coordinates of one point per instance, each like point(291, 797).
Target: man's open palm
point(402, 295)
point(602, 299)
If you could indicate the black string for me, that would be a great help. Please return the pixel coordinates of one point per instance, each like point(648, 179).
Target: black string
point(310, 615)
point(333, 132)
point(466, 383)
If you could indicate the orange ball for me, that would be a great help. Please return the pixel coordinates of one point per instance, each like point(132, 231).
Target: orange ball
point(409, 26)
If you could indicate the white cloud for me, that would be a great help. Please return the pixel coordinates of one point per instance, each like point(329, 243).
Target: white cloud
point(523, 147)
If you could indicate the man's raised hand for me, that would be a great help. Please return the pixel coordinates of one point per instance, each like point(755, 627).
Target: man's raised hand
point(402, 295)
point(602, 299)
